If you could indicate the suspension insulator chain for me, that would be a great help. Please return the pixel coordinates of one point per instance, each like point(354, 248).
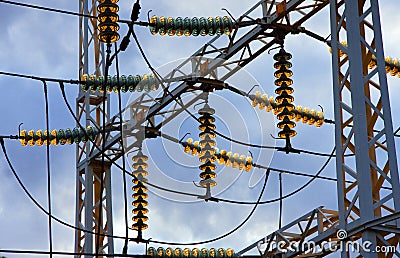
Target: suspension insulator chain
point(222, 156)
point(392, 65)
point(40, 138)
point(139, 197)
point(190, 26)
point(207, 146)
point(312, 117)
point(191, 253)
point(284, 107)
point(147, 83)
point(108, 19)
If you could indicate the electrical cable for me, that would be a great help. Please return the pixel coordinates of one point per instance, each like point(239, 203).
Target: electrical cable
point(113, 162)
point(170, 138)
point(277, 148)
point(125, 192)
point(48, 168)
point(103, 148)
point(36, 252)
point(64, 12)
point(153, 241)
point(176, 141)
point(287, 195)
point(280, 200)
point(159, 187)
point(37, 78)
point(228, 233)
point(61, 82)
point(21, 184)
point(216, 132)
point(37, 204)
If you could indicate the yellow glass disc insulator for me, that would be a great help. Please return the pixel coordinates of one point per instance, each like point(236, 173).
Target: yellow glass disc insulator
point(248, 164)
point(39, 135)
point(23, 138)
point(287, 133)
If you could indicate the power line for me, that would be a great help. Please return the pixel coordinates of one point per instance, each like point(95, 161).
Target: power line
point(153, 241)
point(218, 133)
point(48, 167)
point(125, 248)
point(169, 190)
point(280, 201)
point(230, 232)
point(62, 81)
point(36, 252)
point(287, 195)
point(43, 8)
point(195, 195)
point(37, 78)
point(283, 171)
point(159, 78)
point(37, 204)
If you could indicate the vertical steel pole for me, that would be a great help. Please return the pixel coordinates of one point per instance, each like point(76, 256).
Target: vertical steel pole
point(89, 173)
point(363, 123)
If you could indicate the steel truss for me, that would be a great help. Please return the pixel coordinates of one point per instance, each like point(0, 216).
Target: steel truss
point(224, 55)
point(91, 216)
point(361, 99)
point(370, 138)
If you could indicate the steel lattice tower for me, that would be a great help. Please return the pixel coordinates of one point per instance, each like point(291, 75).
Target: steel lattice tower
point(371, 136)
point(368, 208)
point(90, 111)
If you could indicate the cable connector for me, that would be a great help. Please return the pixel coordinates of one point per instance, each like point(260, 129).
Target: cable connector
point(135, 11)
point(125, 42)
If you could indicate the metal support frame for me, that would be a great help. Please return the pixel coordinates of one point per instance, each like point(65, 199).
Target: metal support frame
point(227, 54)
point(314, 234)
point(361, 100)
point(296, 237)
point(90, 111)
point(239, 50)
point(362, 115)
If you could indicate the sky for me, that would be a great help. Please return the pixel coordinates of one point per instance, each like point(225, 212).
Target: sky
point(46, 44)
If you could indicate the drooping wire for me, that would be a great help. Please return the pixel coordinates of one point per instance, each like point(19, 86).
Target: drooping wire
point(125, 192)
point(317, 175)
point(280, 200)
point(58, 220)
point(61, 83)
point(231, 231)
point(37, 78)
point(120, 237)
point(287, 195)
point(155, 241)
point(43, 8)
point(216, 132)
point(37, 252)
point(48, 169)
point(37, 204)
point(109, 159)
point(103, 148)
